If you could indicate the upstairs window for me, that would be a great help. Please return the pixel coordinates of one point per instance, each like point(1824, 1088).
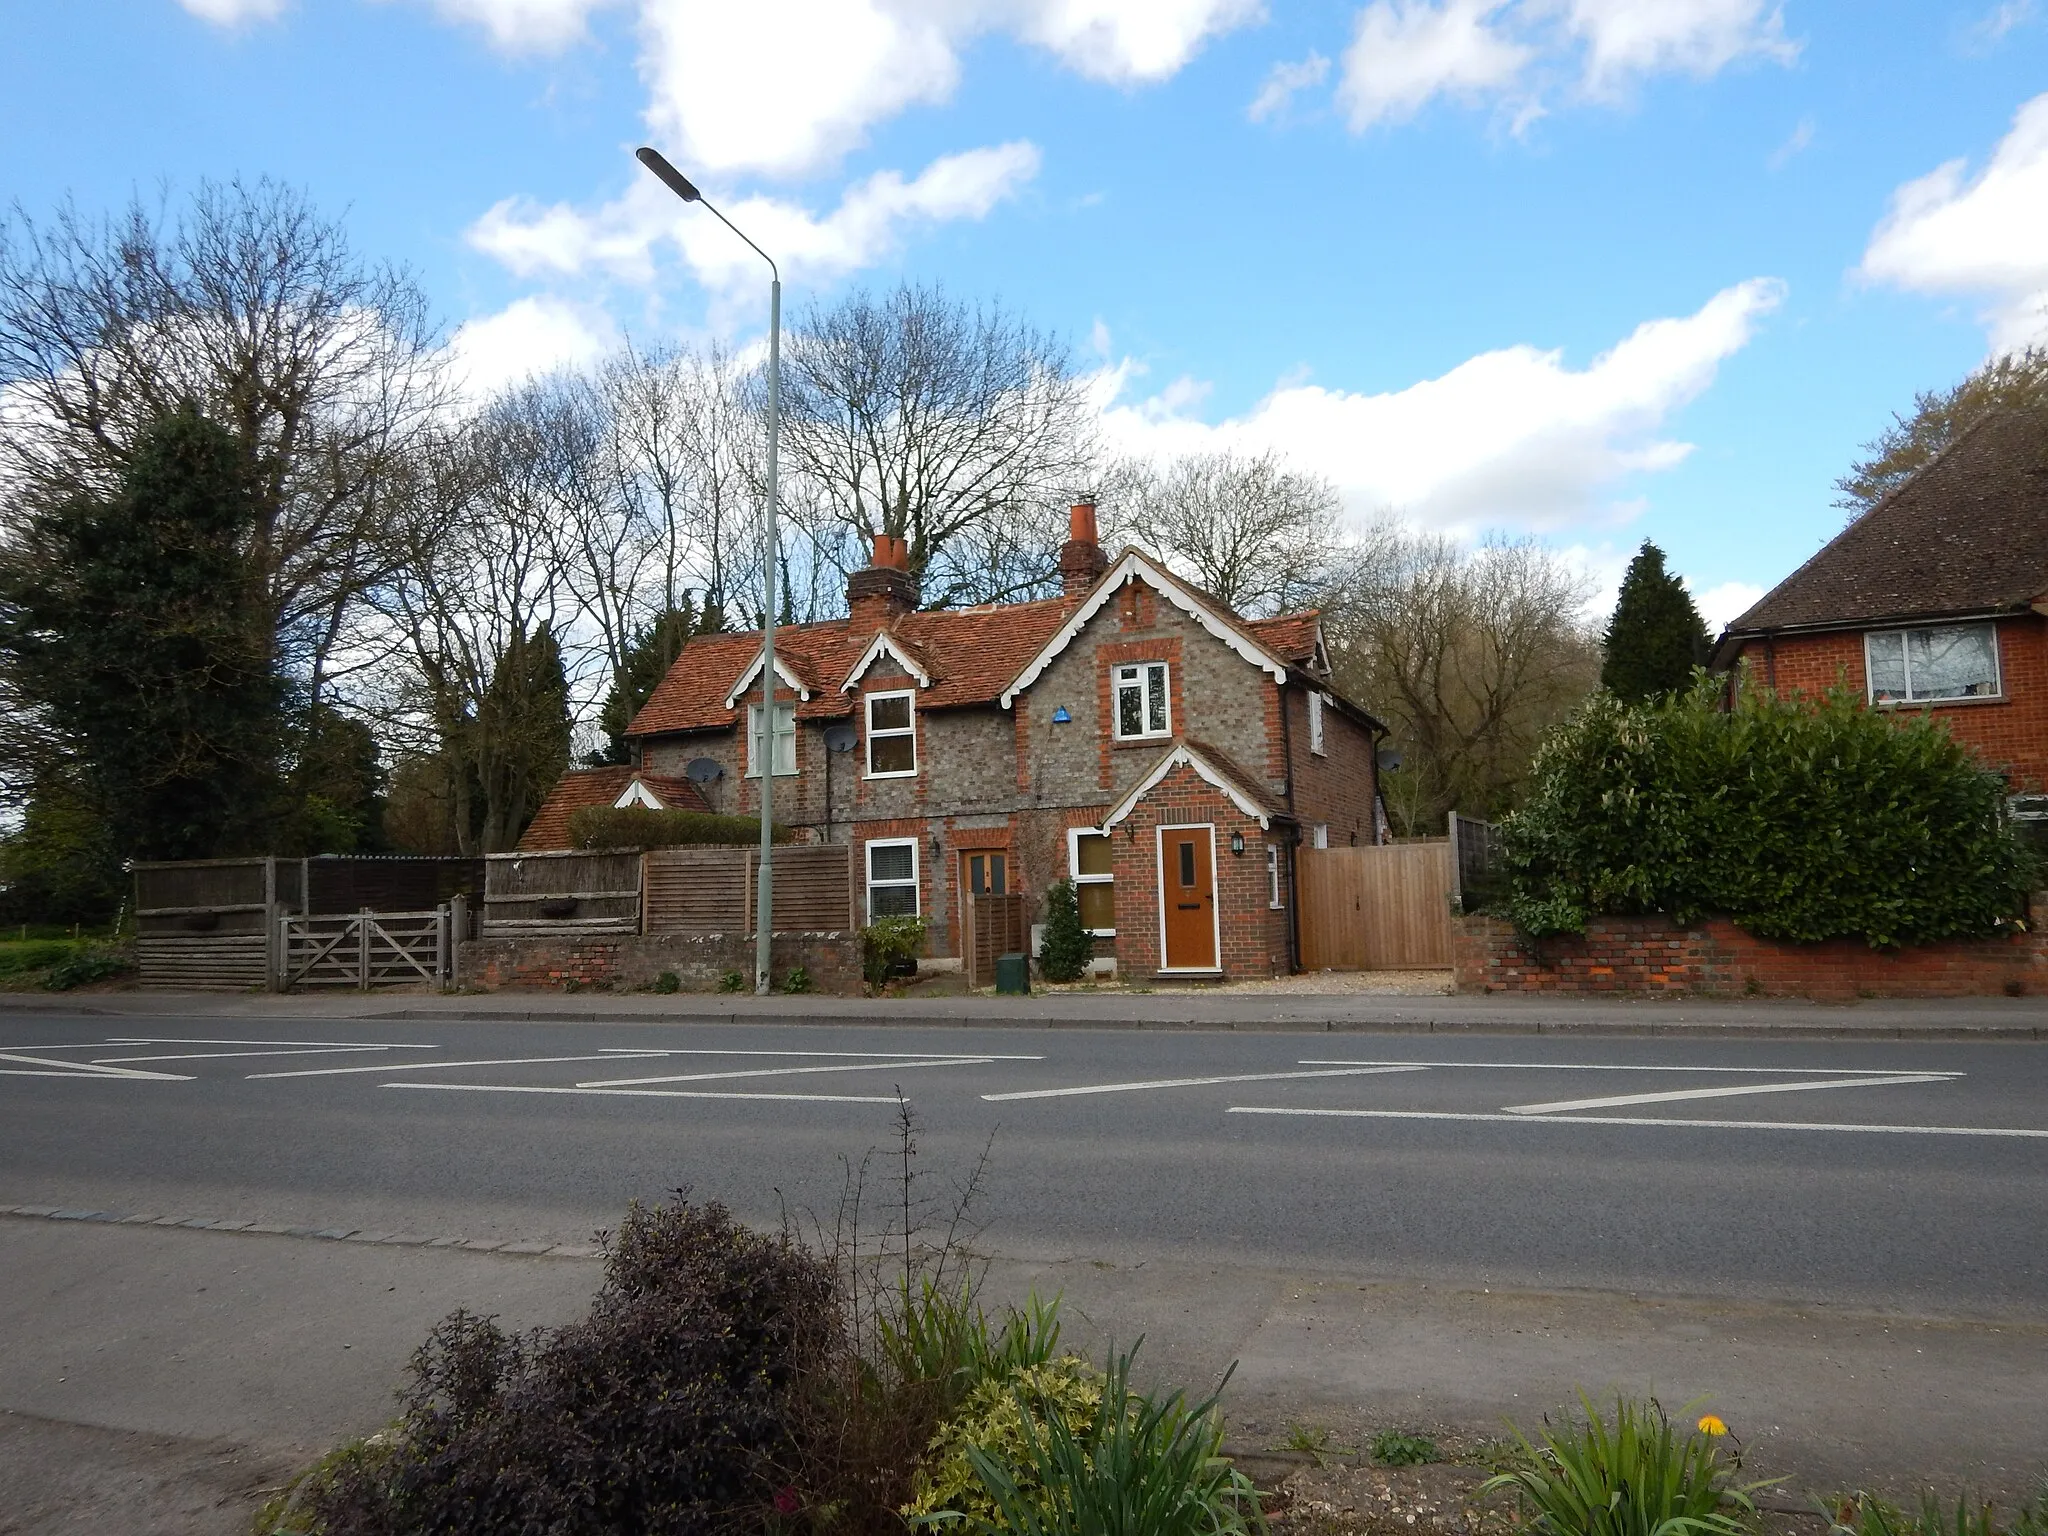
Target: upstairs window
point(785, 740)
point(1089, 860)
point(1315, 724)
point(1141, 708)
point(892, 735)
point(1913, 666)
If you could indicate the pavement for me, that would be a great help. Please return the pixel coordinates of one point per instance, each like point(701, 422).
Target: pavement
point(1428, 1223)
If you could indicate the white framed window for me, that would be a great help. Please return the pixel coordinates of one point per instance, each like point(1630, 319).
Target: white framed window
point(1913, 666)
point(1090, 860)
point(1320, 835)
point(785, 740)
point(1140, 704)
point(1273, 876)
point(1315, 723)
point(892, 735)
point(892, 877)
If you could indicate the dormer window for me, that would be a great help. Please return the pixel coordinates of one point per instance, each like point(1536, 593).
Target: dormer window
point(785, 740)
point(892, 735)
point(1141, 702)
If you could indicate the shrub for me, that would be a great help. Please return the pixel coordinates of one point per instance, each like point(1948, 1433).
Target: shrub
point(635, 826)
point(85, 966)
point(1637, 1477)
point(34, 955)
point(1798, 819)
point(1392, 1448)
point(671, 1409)
point(889, 947)
point(992, 1421)
point(1063, 954)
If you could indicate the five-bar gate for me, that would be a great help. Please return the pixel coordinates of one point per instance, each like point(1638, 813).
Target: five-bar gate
point(367, 949)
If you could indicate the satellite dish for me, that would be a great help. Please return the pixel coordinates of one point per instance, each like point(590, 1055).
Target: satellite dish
point(840, 738)
point(1390, 759)
point(703, 770)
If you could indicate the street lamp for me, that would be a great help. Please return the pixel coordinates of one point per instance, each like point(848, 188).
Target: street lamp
point(764, 924)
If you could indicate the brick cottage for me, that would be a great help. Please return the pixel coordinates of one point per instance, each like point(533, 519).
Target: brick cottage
point(1133, 735)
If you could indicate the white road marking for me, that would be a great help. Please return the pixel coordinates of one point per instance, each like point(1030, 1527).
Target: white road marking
point(707, 1050)
point(380, 1045)
point(47, 1068)
point(1601, 1066)
point(1562, 1106)
point(658, 1093)
point(1712, 1125)
point(1190, 1082)
point(865, 1066)
point(433, 1066)
point(311, 1050)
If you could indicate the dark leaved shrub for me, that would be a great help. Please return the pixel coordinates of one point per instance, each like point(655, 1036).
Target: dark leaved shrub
point(1063, 953)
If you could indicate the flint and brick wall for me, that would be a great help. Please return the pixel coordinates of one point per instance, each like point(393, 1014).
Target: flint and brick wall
point(1635, 956)
point(630, 961)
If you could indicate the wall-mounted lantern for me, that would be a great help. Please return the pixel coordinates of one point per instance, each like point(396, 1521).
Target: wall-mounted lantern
point(1237, 844)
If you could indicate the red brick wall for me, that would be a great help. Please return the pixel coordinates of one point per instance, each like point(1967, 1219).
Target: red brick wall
point(630, 962)
point(1253, 936)
point(2010, 733)
point(1337, 787)
point(1651, 955)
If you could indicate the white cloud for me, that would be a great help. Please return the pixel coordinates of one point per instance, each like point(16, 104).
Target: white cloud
point(622, 237)
point(1991, 29)
point(1130, 40)
point(232, 13)
point(1723, 605)
point(1799, 141)
point(1283, 81)
point(1406, 53)
point(1985, 236)
point(524, 26)
point(530, 337)
point(1510, 438)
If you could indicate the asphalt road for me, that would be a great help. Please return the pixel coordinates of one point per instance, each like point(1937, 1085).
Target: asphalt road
point(1908, 1176)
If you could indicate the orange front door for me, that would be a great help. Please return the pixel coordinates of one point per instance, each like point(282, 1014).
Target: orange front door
point(1187, 889)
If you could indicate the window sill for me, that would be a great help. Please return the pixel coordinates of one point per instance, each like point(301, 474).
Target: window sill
point(1140, 741)
point(1100, 933)
point(907, 773)
point(1963, 702)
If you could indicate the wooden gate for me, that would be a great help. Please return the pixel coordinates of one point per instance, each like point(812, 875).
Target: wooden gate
point(999, 929)
point(366, 949)
point(1376, 909)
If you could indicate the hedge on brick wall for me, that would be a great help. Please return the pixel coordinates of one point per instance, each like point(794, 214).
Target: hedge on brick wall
point(635, 826)
point(1801, 819)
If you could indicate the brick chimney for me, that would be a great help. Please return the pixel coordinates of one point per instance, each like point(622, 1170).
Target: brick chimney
point(1082, 561)
point(885, 590)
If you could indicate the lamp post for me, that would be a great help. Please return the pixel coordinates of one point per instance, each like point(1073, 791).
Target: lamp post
point(764, 917)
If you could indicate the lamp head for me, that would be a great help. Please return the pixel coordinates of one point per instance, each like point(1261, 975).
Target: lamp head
point(668, 175)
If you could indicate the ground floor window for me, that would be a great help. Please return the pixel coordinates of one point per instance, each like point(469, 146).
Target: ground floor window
point(1089, 860)
point(1273, 876)
point(892, 878)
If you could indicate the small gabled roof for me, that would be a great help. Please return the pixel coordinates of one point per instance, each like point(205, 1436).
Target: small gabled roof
point(902, 651)
point(787, 670)
point(1966, 536)
point(581, 787)
point(1245, 791)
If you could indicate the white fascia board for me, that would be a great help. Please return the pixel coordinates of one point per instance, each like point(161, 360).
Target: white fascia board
point(637, 793)
point(1181, 754)
point(883, 645)
point(753, 671)
point(1135, 566)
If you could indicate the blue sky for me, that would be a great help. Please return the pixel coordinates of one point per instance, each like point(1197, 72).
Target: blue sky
point(1594, 269)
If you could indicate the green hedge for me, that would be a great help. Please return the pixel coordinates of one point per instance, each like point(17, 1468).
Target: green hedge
point(634, 826)
point(1798, 819)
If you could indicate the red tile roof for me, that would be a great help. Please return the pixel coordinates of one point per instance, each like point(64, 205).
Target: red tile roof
point(601, 786)
point(1290, 636)
point(969, 653)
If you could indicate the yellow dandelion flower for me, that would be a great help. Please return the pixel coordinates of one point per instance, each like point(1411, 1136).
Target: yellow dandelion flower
point(1712, 1426)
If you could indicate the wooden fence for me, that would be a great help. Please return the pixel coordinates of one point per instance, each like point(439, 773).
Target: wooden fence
point(1001, 927)
point(561, 893)
point(711, 890)
point(206, 924)
point(1376, 909)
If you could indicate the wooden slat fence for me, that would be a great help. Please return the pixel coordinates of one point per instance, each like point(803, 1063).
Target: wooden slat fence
point(1376, 909)
point(206, 924)
point(711, 890)
point(1000, 928)
point(561, 893)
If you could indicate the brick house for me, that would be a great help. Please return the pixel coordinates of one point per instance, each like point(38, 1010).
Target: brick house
point(1132, 734)
point(1936, 599)
point(617, 787)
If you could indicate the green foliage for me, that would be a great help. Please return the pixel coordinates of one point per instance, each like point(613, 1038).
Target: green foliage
point(519, 738)
point(60, 864)
point(666, 983)
point(34, 955)
point(889, 946)
point(85, 965)
point(336, 787)
point(1139, 1466)
point(1306, 1440)
point(635, 826)
point(798, 980)
point(1656, 636)
point(1637, 1476)
point(1393, 1448)
point(939, 1336)
point(1064, 953)
point(734, 981)
point(1799, 819)
point(649, 655)
point(1868, 1514)
point(993, 1422)
point(2012, 381)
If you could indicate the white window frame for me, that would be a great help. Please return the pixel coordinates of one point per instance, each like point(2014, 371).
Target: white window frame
point(914, 882)
point(1319, 835)
point(1273, 904)
point(1074, 836)
point(909, 695)
point(754, 735)
point(1117, 684)
point(1906, 665)
point(1316, 700)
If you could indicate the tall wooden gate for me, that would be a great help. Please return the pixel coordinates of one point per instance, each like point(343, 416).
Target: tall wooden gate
point(1376, 909)
point(998, 928)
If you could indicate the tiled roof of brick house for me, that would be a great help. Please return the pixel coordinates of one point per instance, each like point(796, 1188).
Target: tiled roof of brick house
point(1967, 535)
point(582, 787)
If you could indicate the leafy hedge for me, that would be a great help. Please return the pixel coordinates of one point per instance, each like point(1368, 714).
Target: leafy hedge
point(1798, 819)
point(635, 826)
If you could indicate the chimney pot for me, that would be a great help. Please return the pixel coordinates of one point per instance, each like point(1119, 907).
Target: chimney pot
point(1081, 559)
point(1081, 523)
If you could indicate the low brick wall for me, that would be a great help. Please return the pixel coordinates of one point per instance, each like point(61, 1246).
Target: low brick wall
point(1714, 958)
point(627, 961)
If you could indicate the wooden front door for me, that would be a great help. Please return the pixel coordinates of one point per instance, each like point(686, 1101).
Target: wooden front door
point(1187, 897)
point(981, 874)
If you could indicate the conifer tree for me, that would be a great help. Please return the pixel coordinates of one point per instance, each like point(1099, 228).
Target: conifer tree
point(521, 734)
point(648, 657)
point(1656, 636)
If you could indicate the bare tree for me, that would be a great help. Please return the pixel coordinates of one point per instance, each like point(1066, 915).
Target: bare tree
point(2013, 381)
point(1468, 654)
point(957, 428)
point(1253, 533)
